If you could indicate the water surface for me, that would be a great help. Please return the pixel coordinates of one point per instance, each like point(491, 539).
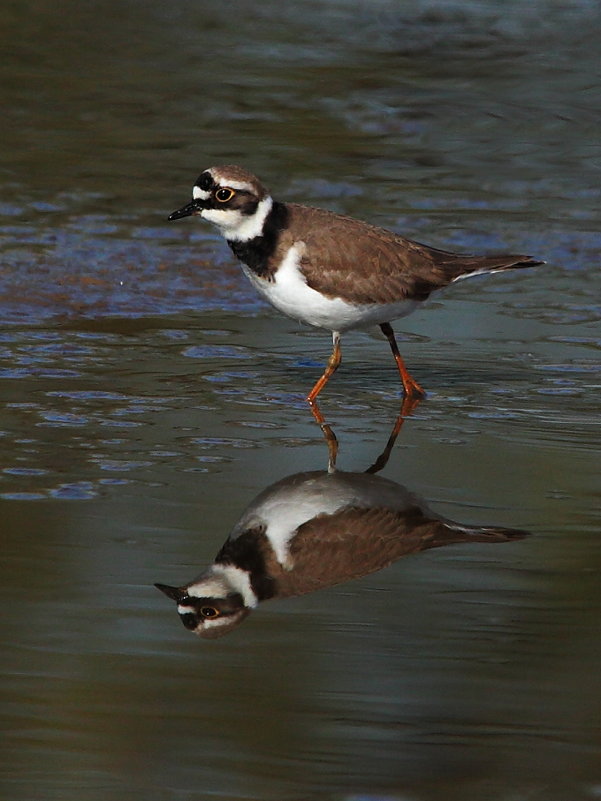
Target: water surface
point(148, 396)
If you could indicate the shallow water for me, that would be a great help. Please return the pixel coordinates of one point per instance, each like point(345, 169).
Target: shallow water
point(148, 396)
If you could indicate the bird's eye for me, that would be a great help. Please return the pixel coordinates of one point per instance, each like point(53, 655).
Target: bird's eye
point(209, 611)
point(224, 194)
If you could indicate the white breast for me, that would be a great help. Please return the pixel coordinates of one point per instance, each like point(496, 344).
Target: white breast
point(289, 293)
point(286, 506)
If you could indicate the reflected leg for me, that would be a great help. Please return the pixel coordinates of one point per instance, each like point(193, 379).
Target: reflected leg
point(407, 408)
point(410, 386)
point(329, 436)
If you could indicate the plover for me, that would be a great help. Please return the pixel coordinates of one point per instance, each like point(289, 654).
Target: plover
point(328, 270)
point(309, 531)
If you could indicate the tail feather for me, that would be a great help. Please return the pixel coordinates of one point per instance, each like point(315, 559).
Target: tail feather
point(468, 266)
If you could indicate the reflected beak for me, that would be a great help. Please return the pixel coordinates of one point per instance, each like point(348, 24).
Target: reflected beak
point(194, 207)
point(175, 593)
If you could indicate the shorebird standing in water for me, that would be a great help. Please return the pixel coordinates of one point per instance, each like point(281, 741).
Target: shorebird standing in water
point(327, 270)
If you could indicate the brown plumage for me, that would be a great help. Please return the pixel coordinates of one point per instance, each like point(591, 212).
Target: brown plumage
point(353, 542)
point(364, 264)
point(313, 530)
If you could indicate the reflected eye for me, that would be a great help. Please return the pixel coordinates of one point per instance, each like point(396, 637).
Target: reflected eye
point(209, 611)
point(224, 194)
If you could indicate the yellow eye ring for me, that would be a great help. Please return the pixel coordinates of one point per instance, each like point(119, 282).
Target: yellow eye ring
point(224, 194)
point(209, 611)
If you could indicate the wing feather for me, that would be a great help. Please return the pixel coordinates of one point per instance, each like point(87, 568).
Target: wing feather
point(375, 265)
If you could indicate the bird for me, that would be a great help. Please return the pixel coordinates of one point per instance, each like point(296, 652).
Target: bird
point(309, 531)
point(328, 270)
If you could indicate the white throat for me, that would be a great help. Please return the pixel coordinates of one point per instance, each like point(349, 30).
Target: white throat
point(238, 227)
point(221, 580)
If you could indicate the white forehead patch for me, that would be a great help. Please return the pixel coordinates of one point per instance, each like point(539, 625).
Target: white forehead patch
point(244, 185)
point(222, 180)
point(200, 194)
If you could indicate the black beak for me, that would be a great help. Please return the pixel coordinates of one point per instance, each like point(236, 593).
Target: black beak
point(175, 593)
point(194, 207)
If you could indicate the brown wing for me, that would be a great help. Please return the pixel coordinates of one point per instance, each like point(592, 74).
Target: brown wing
point(330, 549)
point(375, 265)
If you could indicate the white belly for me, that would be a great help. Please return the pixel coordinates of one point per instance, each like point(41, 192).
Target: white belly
point(290, 294)
point(285, 506)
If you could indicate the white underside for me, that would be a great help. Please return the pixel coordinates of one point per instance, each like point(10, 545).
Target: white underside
point(289, 293)
point(282, 511)
point(283, 507)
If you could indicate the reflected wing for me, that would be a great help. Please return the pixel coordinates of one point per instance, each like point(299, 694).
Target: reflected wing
point(330, 549)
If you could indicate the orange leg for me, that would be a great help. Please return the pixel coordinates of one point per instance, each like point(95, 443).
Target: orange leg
point(331, 368)
point(410, 386)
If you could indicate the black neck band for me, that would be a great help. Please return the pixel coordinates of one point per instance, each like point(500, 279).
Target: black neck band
point(256, 253)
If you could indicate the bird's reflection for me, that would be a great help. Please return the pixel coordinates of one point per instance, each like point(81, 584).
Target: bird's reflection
point(314, 529)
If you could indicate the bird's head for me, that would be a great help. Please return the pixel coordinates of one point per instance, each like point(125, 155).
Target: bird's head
point(232, 199)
